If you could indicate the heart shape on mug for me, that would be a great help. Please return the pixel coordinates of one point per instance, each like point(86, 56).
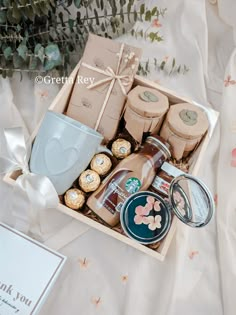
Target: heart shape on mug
point(62, 158)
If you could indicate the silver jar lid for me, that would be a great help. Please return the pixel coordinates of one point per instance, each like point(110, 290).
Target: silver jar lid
point(191, 200)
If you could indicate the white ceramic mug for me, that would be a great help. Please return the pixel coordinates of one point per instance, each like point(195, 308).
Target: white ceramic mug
point(63, 149)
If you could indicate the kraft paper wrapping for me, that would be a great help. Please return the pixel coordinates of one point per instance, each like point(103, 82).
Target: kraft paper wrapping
point(182, 135)
point(86, 101)
point(180, 147)
point(141, 114)
point(137, 125)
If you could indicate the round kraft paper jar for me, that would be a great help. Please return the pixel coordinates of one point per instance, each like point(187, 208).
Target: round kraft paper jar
point(144, 113)
point(184, 128)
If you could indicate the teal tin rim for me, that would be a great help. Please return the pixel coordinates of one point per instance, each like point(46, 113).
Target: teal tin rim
point(145, 217)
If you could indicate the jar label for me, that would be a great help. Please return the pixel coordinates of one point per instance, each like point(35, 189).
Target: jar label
point(189, 117)
point(171, 169)
point(161, 185)
point(148, 96)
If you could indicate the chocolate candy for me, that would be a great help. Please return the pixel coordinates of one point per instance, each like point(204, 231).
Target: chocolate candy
point(121, 148)
point(74, 199)
point(89, 180)
point(101, 164)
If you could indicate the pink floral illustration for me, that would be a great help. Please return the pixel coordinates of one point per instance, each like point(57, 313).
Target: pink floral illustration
point(228, 81)
point(216, 199)
point(43, 94)
point(156, 23)
point(84, 263)
point(96, 301)
point(124, 279)
point(192, 254)
point(233, 161)
point(140, 216)
point(154, 222)
point(179, 201)
point(153, 204)
point(166, 58)
point(142, 213)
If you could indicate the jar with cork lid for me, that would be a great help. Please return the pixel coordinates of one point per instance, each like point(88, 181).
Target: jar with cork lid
point(184, 128)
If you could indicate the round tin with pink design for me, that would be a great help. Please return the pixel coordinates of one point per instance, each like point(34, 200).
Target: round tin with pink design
point(146, 217)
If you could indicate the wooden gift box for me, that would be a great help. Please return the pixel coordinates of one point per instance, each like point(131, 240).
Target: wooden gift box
point(60, 104)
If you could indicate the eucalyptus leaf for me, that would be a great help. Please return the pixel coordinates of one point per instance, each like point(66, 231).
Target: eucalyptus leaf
point(49, 65)
point(16, 12)
point(142, 9)
point(17, 61)
point(71, 24)
point(44, 8)
point(77, 3)
point(103, 27)
point(173, 63)
point(53, 53)
point(4, 74)
point(22, 50)
point(128, 11)
point(10, 17)
point(148, 15)
point(9, 73)
point(69, 3)
point(96, 16)
point(154, 11)
point(28, 11)
point(3, 17)
point(33, 63)
point(162, 66)
point(39, 52)
point(36, 8)
point(122, 17)
point(7, 53)
point(6, 3)
point(23, 2)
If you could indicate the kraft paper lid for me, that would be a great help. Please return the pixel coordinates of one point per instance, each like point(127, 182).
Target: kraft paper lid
point(187, 120)
point(147, 102)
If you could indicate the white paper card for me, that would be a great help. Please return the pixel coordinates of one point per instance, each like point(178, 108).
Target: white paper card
point(27, 272)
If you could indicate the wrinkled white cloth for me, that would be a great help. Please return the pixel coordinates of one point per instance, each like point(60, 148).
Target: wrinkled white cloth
point(105, 276)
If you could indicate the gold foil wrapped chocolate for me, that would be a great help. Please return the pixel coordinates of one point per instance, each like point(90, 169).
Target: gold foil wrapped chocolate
point(121, 148)
point(74, 198)
point(101, 164)
point(89, 180)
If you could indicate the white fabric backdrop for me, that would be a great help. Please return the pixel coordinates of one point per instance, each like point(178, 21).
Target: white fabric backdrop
point(104, 276)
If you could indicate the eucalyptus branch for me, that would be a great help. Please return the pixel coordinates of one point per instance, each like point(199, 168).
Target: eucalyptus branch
point(11, 37)
point(20, 6)
point(22, 70)
point(34, 34)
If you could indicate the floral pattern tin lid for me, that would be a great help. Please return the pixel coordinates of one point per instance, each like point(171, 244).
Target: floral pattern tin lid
point(145, 217)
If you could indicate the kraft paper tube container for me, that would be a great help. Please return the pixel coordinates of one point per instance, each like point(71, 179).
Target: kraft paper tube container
point(145, 110)
point(183, 128)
